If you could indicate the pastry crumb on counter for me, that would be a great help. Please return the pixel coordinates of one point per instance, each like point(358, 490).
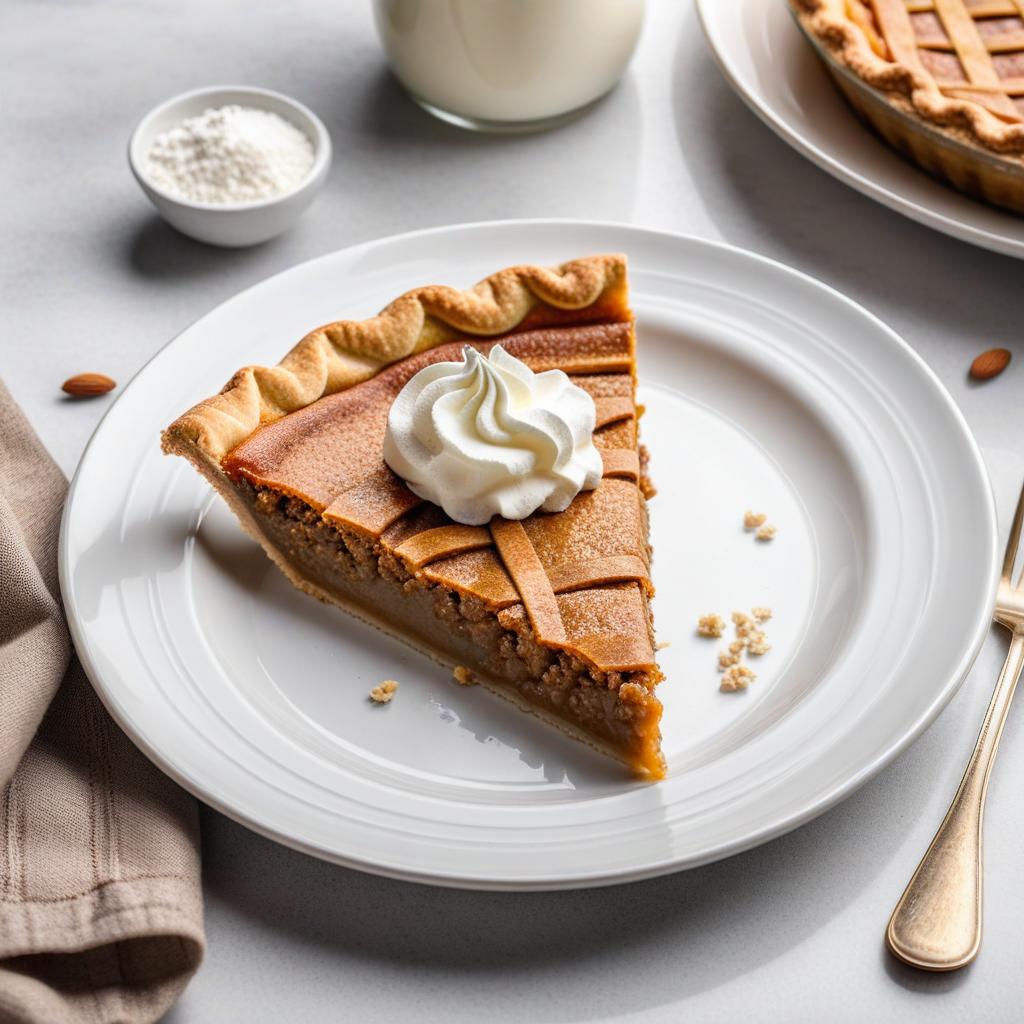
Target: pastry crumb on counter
point(766, 533)
point(383, 692)
point(710, 625)
point(739, 677)
point(752, 520)
point(463, 676)
point(761, 613)
point(662, 644)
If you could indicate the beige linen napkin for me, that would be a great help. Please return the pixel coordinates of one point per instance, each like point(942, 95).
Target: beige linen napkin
point(101, 916)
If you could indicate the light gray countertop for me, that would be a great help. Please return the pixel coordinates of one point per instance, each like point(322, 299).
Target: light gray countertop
point(92, 280)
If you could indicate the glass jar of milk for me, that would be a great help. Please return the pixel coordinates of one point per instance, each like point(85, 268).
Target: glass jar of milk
point(508, 65)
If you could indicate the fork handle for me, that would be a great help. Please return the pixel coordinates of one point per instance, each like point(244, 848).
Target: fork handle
point(937, 923)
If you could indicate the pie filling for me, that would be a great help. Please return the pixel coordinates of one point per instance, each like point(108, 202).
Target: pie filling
point(347, 566)
point(552, 610)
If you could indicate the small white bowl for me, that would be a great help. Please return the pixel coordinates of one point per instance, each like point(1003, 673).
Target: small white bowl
point(234, 224)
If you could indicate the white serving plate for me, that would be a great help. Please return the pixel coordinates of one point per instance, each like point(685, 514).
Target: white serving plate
point(764, 388)
point(767, 61)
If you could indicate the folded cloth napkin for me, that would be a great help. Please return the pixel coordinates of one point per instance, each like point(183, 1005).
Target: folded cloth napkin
point(101, 915)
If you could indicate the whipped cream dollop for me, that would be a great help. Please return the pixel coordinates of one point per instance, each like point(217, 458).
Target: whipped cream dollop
point(488, 436)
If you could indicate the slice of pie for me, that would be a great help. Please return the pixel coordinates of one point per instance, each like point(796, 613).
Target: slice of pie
point(551, 611)
point(940, 80)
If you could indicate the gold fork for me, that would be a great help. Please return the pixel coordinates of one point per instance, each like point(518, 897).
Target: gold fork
point(937, 923)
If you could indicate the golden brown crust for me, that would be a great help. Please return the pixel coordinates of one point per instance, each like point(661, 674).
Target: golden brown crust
point(830, 23)
point(527, 571)
point(339, 355)
point(612, 409)
point(373, 504)
point(442, 542)
point(621, 462)
point(594, 572)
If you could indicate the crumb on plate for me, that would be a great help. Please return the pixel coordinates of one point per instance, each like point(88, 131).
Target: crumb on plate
point(751, 641)
point(752, 520)
point(383, 692)
point(711, 625)
point(728, 658)
point(766, 533)
point(744, 624)
point(758, 644)
point(463, 676)
point(739, 677)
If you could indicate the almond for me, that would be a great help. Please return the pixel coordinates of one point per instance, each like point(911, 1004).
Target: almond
point(990, 364)
point(86, 385)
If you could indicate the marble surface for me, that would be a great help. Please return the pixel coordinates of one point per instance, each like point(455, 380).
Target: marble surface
point(92, 280)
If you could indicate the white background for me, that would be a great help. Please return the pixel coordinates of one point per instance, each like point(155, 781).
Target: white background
point(93, 281)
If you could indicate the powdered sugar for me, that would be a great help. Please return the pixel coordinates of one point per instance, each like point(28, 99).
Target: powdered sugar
point(230, 154)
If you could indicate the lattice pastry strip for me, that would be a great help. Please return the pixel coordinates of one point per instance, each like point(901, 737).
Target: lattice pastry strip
point(975, 58)
point(972, 51)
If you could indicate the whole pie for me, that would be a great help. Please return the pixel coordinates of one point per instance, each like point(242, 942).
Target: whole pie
point(551, 611)
point(940, 80)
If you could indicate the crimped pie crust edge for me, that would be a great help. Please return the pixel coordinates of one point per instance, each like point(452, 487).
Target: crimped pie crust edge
point(344, 353)
point(828, 22)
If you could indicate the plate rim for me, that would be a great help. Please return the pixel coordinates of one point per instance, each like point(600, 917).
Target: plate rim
point(937, 221)
point(459, 879)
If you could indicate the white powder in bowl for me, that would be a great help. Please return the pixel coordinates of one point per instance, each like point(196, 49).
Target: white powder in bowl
point(230, 155)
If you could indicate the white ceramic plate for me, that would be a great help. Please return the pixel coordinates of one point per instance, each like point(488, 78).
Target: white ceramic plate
point(764, 390)
point(768, 62)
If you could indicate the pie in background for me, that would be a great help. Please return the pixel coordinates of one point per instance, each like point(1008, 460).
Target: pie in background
point(552, 611)
point(942, 81)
